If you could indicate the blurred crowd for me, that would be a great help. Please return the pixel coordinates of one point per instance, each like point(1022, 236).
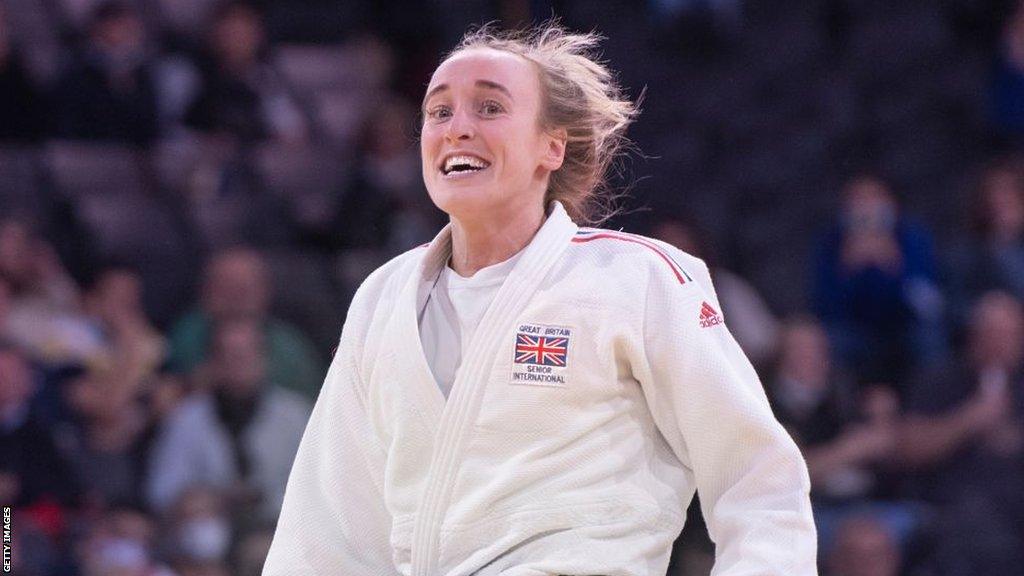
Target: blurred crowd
point(191, 191)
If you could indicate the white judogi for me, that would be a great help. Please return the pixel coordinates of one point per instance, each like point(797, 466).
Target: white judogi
point(600, 390)
point(450, 313)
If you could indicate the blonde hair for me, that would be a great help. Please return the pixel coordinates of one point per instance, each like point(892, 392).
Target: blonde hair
point(579, 94)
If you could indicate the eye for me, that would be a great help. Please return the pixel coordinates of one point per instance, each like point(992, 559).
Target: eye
point(491, 108)
point(439, 113)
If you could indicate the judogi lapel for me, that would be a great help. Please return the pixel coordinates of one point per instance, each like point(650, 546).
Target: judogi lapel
point(449, 423)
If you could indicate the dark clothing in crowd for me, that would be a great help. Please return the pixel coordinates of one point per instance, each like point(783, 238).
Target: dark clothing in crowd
point(22, 107)
point(231, 103)
point(883, 323)
point(978, 467)
point(28, 451)
point(109, 476)
point(979, 488)
point(97, 103)
point(823, 420)
point(379, 207)
point(1008, 98)
point(816, 421)
point(235, 414)
point(365, 213)
point(979, 266)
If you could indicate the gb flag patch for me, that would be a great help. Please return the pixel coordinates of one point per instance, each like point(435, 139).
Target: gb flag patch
point(541, 356)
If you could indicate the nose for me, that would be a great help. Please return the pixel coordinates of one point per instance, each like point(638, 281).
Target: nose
point(460, 127)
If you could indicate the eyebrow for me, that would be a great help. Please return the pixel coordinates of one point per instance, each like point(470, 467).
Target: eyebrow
point(490, 84)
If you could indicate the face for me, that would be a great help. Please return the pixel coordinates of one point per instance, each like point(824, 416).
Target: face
point(238, 357)
point(236, 286)
point(805, 355)
point(870, 205)
point(1002, 195)
point(997, 332)
point(238, 36)
point(864, 548)
point(122, 34)
point(483, 148)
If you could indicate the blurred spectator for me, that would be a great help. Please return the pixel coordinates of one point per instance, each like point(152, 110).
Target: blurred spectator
point(383, 204)
point(120, 543)
point(992, 256)
point(33, 474)
point(750, 319)
point(109, 93)
point(864, 547)
point(108, 439)
point(817, 405)
point(251, 552)
point(114, 305)
point(239, 433)
point(875, 286)
point(32, 269)
point(236, 284)
point(695, 25)
point(1008, 79)
point(22, 107)
point(965, 436)
point(42, 315)
point(726, 11)
point(242, 95)
point(847, 436)
point(162, 392)
point(32, 552)
point(200, 527)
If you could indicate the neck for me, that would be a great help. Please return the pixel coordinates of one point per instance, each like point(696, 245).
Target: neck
point(477, 244)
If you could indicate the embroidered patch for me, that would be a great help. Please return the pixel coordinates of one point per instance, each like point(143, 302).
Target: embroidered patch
point(541, 356)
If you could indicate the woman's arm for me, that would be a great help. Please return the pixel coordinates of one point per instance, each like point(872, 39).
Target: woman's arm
point(709, 404)
point(333, 520)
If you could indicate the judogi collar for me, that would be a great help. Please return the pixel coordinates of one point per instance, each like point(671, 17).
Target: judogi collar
point(451, 420)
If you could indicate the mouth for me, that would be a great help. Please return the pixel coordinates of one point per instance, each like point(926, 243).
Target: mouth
point(460, 165)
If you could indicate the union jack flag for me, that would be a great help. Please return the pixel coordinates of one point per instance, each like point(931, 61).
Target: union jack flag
point(541, 350)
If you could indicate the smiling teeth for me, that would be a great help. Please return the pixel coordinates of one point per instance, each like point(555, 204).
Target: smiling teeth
point(467, 160)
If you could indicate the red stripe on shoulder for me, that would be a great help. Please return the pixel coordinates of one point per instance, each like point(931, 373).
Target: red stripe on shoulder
point(648, 245)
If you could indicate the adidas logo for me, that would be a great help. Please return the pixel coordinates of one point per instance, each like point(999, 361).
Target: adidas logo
point(709, 316)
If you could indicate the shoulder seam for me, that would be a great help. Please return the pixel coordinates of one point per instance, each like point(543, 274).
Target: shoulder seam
point(590, 234)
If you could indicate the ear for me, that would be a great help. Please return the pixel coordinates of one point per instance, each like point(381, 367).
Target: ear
point(554, 151)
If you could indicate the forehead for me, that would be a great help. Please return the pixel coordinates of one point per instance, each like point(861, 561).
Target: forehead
point(467, 67)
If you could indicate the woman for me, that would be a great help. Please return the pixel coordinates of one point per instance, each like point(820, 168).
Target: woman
point(523, 396)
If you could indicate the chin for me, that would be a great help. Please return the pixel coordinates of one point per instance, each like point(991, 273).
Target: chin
point(462, 201)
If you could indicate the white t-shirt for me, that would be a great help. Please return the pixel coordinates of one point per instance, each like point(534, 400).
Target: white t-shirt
point(451, 314)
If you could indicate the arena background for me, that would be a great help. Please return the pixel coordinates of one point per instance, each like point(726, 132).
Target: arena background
point(191, 190)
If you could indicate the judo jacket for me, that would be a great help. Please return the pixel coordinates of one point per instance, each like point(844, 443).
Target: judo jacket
point(600, 391)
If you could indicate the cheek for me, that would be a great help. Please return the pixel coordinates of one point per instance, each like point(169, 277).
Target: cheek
point(425, 144)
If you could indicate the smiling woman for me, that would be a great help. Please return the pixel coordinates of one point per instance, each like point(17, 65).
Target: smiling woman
point(521, 119)
point(524, 396)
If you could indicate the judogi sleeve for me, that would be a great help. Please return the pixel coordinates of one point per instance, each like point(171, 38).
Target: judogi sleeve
point(333, 519)
point(709, 404)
